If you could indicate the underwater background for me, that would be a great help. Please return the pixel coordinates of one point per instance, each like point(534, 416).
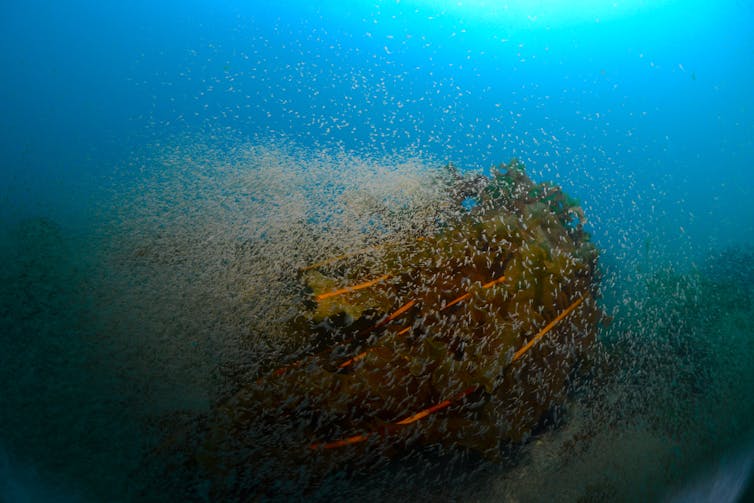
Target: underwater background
point(144, 145)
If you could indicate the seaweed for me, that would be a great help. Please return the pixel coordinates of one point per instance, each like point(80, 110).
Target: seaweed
point(466, 338)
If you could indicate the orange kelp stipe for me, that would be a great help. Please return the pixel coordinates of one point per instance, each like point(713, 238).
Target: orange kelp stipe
point(352, 288)
point(468, 294)
point(446, 403)
point(438, 406)
point(542, 332)
point(405, 307)
point(350, 361)
point(408, 305)
point(342, 442)
point(403, 422)
point(282, 370)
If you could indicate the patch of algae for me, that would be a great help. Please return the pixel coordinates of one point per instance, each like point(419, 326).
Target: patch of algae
point(465, 337)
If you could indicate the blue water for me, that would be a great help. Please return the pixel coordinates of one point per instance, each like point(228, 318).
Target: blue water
point(643, 111)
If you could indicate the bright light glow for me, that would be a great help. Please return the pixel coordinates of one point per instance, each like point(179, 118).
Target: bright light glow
point(543, 13)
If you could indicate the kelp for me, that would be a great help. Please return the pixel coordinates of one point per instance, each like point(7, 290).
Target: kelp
point(466, 337)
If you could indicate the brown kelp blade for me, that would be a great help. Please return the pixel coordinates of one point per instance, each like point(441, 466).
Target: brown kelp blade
point(446, 403)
